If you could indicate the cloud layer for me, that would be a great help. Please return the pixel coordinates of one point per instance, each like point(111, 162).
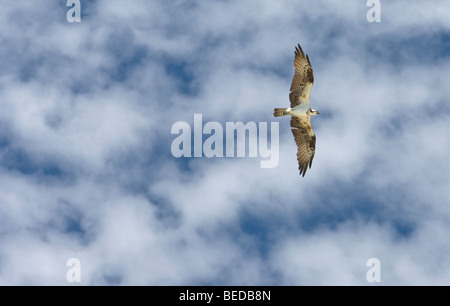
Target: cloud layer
point(86, 169)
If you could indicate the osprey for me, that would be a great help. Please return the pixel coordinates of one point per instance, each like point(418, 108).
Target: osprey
point(301, 110)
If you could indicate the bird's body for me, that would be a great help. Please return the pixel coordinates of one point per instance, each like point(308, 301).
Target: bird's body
point(301, 111)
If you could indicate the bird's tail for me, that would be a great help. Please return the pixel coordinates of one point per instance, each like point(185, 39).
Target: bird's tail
point(277, 112)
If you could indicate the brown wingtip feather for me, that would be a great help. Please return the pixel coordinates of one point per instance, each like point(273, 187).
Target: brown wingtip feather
point(303, 168)
point(300, 50)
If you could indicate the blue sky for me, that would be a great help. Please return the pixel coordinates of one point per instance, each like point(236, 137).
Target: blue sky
point(85, 135)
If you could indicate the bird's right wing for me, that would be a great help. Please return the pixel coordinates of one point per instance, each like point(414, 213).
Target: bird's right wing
point(305, 140)
point(303, 78)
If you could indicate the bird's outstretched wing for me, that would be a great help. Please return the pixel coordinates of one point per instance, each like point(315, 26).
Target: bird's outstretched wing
point(305, 140)
point(303, 78)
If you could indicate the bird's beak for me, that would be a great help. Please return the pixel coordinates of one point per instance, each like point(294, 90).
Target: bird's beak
point(318, 113)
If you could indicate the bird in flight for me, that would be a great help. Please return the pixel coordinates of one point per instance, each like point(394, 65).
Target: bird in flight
point(301, 110)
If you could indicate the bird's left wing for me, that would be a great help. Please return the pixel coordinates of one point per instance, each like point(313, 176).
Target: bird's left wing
point(305, 140)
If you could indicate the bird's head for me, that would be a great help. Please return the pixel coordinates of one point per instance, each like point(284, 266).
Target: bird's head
point(313, 112)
